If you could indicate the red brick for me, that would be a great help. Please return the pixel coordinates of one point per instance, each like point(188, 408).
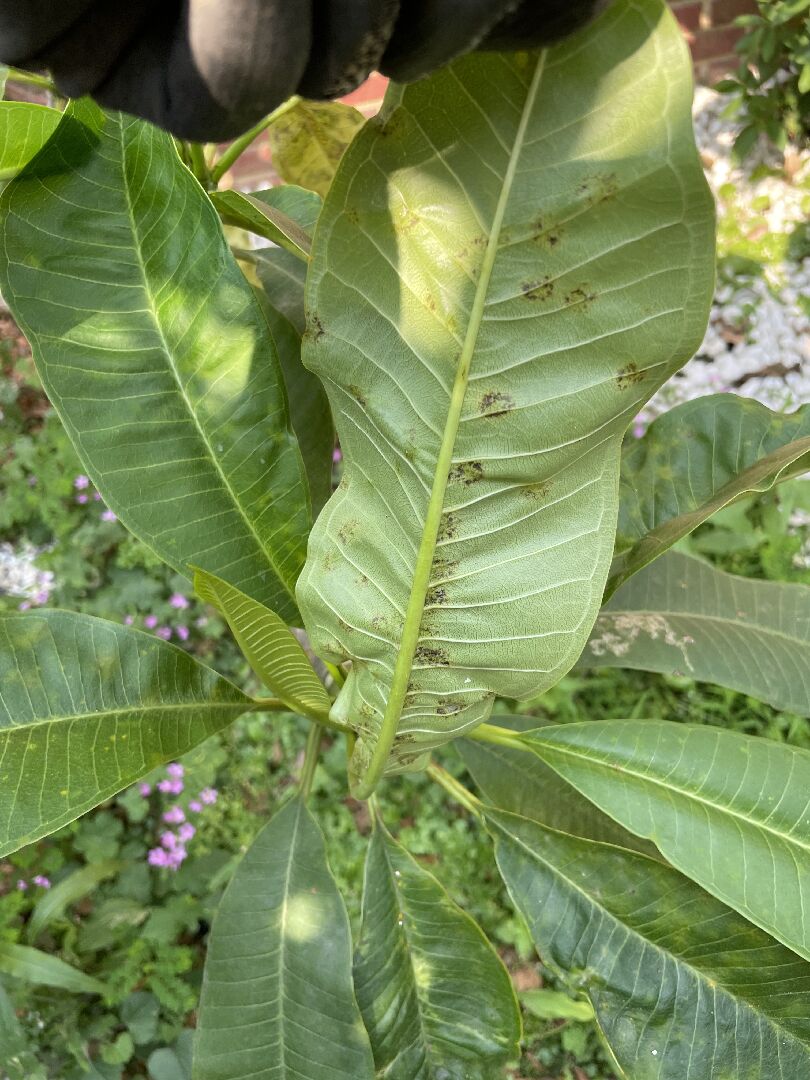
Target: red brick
point(708, 72)
point(720, 41)
point(688, 15)
point(724, 12)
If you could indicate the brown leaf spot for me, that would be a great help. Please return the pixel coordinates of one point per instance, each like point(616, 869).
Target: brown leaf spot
point(468, 472)
point(629, 376)
point(431, 656)
point(493, 404)
point(538, 290)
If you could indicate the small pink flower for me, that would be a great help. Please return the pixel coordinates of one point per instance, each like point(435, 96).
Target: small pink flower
point(168, 840)
point(638, 430)
point(182, 632)
point(81, 499)
point(170, 787)
point(164, 632)
point(186, 831)
point(158, 857)
point(24, 606)
point(195, 806)
point(174, 816)
point(175, 769)
point(209, 796)
point(81, 482)
point(41, 597)
point(42, 881)
point(129, 620)
point(176, 857)
point(150, 622)
point(22, 885)
point(177, 600)
point(337, 455)
point(145, 790)
point(109, 515)
point(96, 496)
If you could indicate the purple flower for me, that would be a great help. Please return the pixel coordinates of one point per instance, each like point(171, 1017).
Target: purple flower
point(195, 806)
point(109, 515)
point(42, 881)
point(129, 620)
point(186, 831)
point(150, 622)
point(174, 816)
point(177, 600)
point(96, 496)
point(164, 632)
point(176, 857)
point(81, 499)
point(24, 606)
point(22, 885)
point(175, 769)
point(158, 857)
point(337, 455)
point(209, 796)
point(182, 632)
point(41, 597)
point(168, 840)
point(145, 790)
point(638, 430)
point(81, 482)
point(170, 787)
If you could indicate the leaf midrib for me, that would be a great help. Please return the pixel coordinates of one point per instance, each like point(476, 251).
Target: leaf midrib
point(180, 388)
point(697, 973)
point(683, 793)
point(425, 556)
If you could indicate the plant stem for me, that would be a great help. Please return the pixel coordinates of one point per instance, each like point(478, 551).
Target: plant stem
point(310, 759)
point(500, 736)
point(28, 78)
point(238, 146)
point(198, 163)
point(453, 788)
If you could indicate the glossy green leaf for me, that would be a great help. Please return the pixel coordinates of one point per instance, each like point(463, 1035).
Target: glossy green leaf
point(40, 968)
point(155, 353)
point(729, 810)
point(683, 987)
point(513, 780)
point(277, 997)
point(682, 616)
point(280, 274)
point(269, 647)
point(87, 707)
point(510, 261)
point(24, 130)
point(245, 211)
point(693, 461)
point(308, 141)
point(53, 904)
point(435, 997)
point(555, 1005)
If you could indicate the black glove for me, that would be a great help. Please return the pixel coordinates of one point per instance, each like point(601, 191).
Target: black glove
point(209, 69)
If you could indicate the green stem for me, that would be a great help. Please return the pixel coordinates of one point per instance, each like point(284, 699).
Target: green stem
point(27, 78)
point(199, 165)
point(453, 788)
point(310, 759)
point(498, 735)
point(427, 548)
point(238, 146)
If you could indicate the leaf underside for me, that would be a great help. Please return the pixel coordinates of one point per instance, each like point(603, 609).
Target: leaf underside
point(681, 616)
point(510, 261)
point(683, 987)
point(87, 707)
point(155, 353)
point(277, 999)
point(435, 997)
point(731, 811)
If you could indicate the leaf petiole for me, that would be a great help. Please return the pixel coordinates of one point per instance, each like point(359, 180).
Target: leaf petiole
point(310, 759)
point(238, 146)
point(454, 789)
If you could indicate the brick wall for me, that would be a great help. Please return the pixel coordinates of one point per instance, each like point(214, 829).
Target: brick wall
point(708, 27)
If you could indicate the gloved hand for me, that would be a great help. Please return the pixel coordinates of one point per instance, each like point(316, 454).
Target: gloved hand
point(208, 69)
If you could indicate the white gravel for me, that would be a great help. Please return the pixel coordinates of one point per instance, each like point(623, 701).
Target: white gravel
point(758, 340)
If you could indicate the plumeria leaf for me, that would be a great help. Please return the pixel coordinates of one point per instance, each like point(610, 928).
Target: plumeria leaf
point(693, 461)
point(729, 810)
point(87, 707)
point(680, 615)
point(154, 351)
point(308, 141)
point(53, 903)
point(277, 997)
point(519, 782)
point(682, 986)
point(24, 130)
point(246, 211)
point(498, 281)
point(435, 997)
point(269, 647)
